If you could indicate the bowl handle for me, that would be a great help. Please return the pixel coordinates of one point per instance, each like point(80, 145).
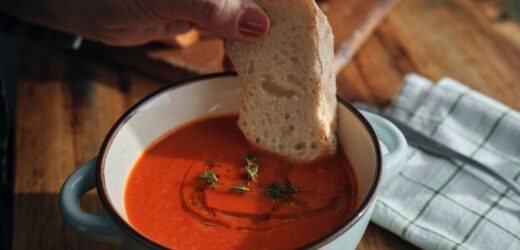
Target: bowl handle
point(97, 226)
point(394, 141)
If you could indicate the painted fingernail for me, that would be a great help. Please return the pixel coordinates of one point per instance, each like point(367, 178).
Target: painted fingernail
point(253, 23)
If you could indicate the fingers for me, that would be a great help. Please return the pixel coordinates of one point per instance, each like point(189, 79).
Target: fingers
point(232, 19)
point(132, 37)
point(159, 19)
point(175, 28)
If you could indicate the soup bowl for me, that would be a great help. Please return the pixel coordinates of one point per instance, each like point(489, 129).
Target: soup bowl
point(360, 135)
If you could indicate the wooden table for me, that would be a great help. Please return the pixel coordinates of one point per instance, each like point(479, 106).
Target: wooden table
point(67, 101)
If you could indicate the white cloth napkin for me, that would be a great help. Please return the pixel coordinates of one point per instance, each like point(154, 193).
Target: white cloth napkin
point(436, 203)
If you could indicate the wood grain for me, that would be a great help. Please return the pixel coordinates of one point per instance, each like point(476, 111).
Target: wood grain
point(463, 39)
point(67, 101)
point(66, 104)
point(352, 30)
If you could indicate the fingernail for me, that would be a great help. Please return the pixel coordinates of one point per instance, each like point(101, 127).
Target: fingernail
point(252, 23)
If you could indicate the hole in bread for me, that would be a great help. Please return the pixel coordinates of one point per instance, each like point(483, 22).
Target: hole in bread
point(269, 86)
point(280, 147)
point(257, 140)
point(291, 128)
point(294, 59)
point(299, 146)
point(287, 116)
point(314, 145)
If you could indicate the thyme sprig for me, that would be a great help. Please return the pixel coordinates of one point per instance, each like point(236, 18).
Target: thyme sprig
point(240, 188)
point(275, 190)
point(209, 177)
point(252, 167)
point(278, 190)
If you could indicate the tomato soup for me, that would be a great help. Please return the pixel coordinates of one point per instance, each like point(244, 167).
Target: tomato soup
point(202, 186)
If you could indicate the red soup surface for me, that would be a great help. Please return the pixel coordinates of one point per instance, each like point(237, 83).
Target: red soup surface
point(202, 186)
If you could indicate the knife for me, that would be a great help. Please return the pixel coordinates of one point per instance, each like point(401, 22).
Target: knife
point(417, 139)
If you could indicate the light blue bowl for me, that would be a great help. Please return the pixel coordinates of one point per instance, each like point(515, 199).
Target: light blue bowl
point(360, 135)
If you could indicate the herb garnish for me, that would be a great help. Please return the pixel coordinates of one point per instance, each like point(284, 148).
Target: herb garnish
point(252, 166)
point(209, 177)
point(275, 190)
point(240, 188)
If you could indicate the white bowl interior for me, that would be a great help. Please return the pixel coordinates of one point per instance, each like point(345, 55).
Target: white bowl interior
point(212, 96)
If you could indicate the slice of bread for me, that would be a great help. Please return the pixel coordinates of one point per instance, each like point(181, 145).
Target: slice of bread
point(288, 102)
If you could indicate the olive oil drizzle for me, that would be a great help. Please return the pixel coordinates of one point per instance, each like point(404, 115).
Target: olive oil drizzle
point(197, 205)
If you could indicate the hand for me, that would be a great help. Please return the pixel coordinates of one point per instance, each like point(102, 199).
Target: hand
point(134, 22)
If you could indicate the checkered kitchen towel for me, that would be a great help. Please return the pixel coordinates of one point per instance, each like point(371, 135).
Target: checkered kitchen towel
point(437, 203)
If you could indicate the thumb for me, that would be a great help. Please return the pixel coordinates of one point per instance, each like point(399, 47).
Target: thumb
point(233, 19)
